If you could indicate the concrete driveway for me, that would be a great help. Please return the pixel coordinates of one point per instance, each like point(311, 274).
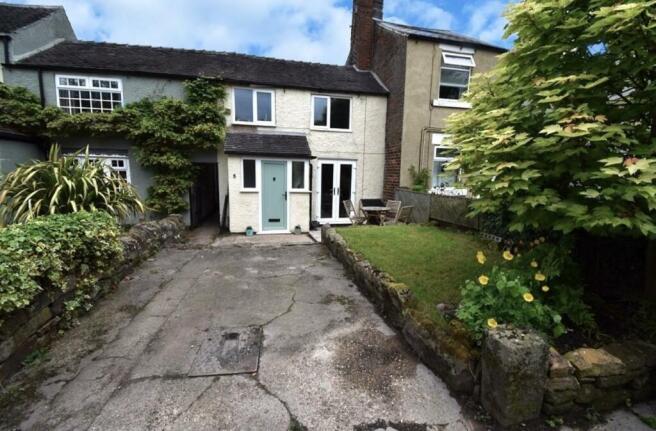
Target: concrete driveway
point(177, 347)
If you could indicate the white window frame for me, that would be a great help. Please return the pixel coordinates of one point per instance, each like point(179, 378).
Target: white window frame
point(438, 144)
point(106, 160)
point(460, 61)
point(88, 87)
point(306, 176)
point(255, 189)
point(255, 122)
point(327, 126)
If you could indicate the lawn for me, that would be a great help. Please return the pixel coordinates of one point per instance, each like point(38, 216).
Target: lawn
point(433, 262)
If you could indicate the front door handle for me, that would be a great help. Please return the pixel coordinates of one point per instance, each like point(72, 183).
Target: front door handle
point(285, 195)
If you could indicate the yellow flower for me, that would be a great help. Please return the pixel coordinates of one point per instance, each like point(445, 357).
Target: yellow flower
point(540, 276)
point(492, 323)
point(508, 255)
point(483, 279)
point(534, 264)
point(545, 288)
point(528, 297)
point(480, 256)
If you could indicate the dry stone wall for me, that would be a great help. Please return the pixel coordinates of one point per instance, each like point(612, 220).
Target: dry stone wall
point(27, 329)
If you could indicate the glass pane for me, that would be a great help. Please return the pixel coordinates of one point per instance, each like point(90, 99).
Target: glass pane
point(345, 175)
point(264, 111)
point(327, 190)
point(456, 77)
point(243, 104)
point(298, 175)
point(249, 174)
point(320, 111)
point(442, 178)
point(340, 113)
point(454, 93)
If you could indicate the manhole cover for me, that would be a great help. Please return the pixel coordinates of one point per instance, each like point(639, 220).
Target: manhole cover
point(228, 351)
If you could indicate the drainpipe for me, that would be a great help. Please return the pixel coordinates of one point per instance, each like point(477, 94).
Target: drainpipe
point(41, 93)
point(5, 42)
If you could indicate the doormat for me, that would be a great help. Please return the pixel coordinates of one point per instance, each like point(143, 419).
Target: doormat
point(228, 351)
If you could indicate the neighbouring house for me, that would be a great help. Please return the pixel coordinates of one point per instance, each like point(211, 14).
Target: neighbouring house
point(25, 30)
point(427, 71)
point(302, 137)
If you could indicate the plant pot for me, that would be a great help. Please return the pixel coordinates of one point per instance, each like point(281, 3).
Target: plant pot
point(298, 230)
point(249, 231)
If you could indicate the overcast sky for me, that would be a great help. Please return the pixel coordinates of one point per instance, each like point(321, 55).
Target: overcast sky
point(311, 30)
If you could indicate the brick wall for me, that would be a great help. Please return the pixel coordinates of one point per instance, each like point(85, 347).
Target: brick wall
point(389, 63)
point(362, 31)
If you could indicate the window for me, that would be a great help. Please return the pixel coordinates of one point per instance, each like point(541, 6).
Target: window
point(331, 112)
point(454, 76)
point(253, 106)
point(442, 155)
point(117, 165)
point(298, 175)
point(77, 94)
point(248, 174)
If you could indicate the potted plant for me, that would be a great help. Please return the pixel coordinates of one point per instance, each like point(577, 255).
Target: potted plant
point(298, 230)
point(249, 231)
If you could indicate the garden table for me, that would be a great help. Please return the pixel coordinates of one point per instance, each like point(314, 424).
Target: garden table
point(375, 214)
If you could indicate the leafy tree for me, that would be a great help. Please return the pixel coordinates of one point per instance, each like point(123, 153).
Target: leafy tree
point(63, 185)
point(562, 133)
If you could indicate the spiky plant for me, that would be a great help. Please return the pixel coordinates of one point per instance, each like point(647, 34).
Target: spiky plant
point(65, 184)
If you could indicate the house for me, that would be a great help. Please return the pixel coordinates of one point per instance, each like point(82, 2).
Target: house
point(427, 71)
point(25, 30)
point(302, 137)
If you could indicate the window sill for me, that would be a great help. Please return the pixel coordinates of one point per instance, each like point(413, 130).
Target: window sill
point(299, 191)
point(446, 103)
point(249, 191)
point(327, 129)
point(246, 123)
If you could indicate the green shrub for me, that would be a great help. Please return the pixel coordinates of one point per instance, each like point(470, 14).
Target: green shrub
point(39, 256)
point(419, 179)
point(535, 287)
point(63, 184)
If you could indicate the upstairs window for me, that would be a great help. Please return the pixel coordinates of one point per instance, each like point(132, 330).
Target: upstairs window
point(454, 76)
point(253, 106)
point(77, 94)
point(331, 112)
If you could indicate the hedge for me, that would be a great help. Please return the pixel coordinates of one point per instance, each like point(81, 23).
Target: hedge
point(42, 254)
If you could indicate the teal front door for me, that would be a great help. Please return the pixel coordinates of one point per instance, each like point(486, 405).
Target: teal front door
point(274, 195)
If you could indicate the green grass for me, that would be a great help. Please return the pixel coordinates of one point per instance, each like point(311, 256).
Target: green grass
point(433, 262)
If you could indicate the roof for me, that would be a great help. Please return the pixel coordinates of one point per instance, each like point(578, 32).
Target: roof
point(185, 63)
point(13, 16)
point(438, 35)
point(11, 134)
point(272, 145)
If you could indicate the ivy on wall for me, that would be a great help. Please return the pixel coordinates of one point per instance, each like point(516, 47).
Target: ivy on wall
point(165, 132)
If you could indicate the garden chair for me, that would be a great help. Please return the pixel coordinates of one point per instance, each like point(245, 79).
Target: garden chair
point(405, 213)
point(355, 216)
point(392, 215)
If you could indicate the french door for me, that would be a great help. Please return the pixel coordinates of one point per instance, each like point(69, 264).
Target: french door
point(335, 183)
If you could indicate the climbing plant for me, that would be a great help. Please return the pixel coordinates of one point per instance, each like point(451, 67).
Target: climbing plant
point(165, 132)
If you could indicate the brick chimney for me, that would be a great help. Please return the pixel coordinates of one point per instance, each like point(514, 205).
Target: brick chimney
point(362, 32)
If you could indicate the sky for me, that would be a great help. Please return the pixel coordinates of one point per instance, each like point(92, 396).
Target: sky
point(308, 30)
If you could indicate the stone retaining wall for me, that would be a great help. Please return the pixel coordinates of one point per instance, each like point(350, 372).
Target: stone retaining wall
point(27, 329)
point(604, 378)
point(444, 350)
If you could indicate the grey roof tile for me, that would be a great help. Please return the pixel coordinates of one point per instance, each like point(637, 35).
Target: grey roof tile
point(14, 17)
point(438, 35)
point(269, 144)
point(232, 67)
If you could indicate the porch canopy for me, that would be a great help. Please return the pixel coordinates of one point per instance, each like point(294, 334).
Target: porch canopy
point(268, 144)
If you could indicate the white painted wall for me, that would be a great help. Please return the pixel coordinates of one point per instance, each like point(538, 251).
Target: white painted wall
point(364, 144)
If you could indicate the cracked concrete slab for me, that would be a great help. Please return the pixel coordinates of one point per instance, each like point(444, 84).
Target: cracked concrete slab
point(327, 362)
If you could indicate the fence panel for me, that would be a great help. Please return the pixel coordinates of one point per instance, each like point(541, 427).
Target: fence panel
point(452, 210)
point(420, 201)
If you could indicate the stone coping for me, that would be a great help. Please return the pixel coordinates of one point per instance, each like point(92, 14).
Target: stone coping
point(445, 350)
